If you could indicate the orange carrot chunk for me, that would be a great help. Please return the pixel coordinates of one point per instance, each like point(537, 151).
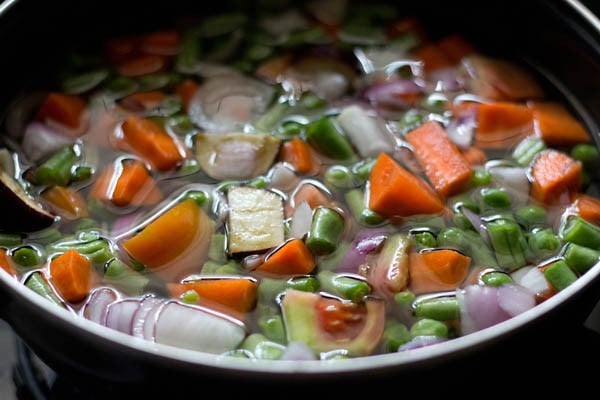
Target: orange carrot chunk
point(186, 90)
point(502, 124)
point(437, 270)
point(238, 294)
point(396, 192)
point(474, 155)
point(65, 109)
point(455, 47)
point(6, 263)
point(292, 258)
point(432, 57)
point(554, 174)
point(141, 65)
point(131, 184)
point(445, 166)
point(298, 154)
point(150, 141)
point(66, 201)
point(71, 274)
point(556, 125)
point(313, 196)
point(587, 207)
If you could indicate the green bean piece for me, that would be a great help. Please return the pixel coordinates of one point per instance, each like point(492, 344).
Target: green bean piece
point(325, 231)
point(344, 286)
point(190, 297)
point(123, 277)
point(229, 268)
point(272, 327)
point(362, 169)
point(440, 309)
point(461, 221)
point(494, 198)
point(327, 138)
point(158, 81)
point(56, 170)
point(429, 327)
point(216, 250)
point(311, 101)
point(46, 236)
point(289, 129)
point(496, 278)
point(85, 81)
point(559, 275)
point(404, 298)
point(270, 288)
point(580, 258)
point(38, 284)
point(304, 283)
point(424, 240)
point(579, 231)
point(271, 118)
point(395, 334)
point(81, 173)
point(199, 196)
point(587, 153)
point(27, 257)
point(543, 242)
point(527, 149)
point(481, 177)
point(509, 243)
point(531, 216)
point(10, 239)
point(339, 176)
point(98, 251)
point(355, 199)
point(120, 86)
point(262, 348)
point(468, 242)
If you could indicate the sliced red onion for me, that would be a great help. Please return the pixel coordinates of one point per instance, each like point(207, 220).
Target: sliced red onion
point(301, 220)
point(147, 305)
point(392, 93)
point(531, 278)
point(40, 140)
point(96, 307)
point(366, 242)
point(369, 136)
point(149, 326)
point(298, 351)
point(421, 341)
point(515, 299)
point(477, 223)
point(197, 328)
point(479, 308)
point(461, 130)
point(514, 180)
point(120, 314)
point(282, 177)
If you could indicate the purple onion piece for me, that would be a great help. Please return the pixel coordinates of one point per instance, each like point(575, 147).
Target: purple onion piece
point(367, 241)
point(421, 341)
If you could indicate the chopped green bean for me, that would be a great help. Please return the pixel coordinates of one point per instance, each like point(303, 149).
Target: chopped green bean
point(584, 233)
point(531, 215)
point(289, 129)
point(362, 169)
point(327, 138)
point(27, 257)
point(56, 170)
point(481, 177)
point(559, 275)
point(404, 298)
point(339, 176)
point(509, 243)
point(440, 309)
point(39, 285)
point(494, 198)
point(543, 242)
point(10, 239)
point(526, 151)
point(496, 278)
point(269, 120)
point(424, 239)
point(429, 327)
point(325, 231)
point(344, 286)
point(356, 202)
point(272, 327)
point(580, 258)
point(395, 334)
point(123, 277)
point(262, 348)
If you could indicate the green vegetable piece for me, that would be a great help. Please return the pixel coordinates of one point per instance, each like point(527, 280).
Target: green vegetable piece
point(262, 348)
point(190, 297)
point(325, 231)
point(424, 240)
point(123, 277)
point(440, 309)
point(404, 298)
point(289, 129)
point(304, 283)
point(201, 197)
point(158, 81)
point(531, 215)
point(494, 198)
point(587, 153)
point(327, 138)
point(509, 243)
point(580, 258)
point(543, 242)
point(481, 177)
point(429, 327)
point(38, 284)
point(27, 257)
point(559, 275)
point(355, 199)
point(527, 149)
point(347, 287)
point(362, 169)
point(468, 242)
point(56, 170)
point(10, 239)
point(412, 119)
point(270, 288)
point(190, 51)
point(217, 250)
point(581, 232)
point(496, 278)
point(395, 335)
point(272, 327)
point(271, 118)
point(85, 81)
point(81, 173)
point(339, 176)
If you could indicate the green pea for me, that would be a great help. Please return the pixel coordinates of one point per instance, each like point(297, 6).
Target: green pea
point(27, 256)
point(481, 177)
point(425, 239)
point(190, 297)
point(587, 153)
point(531, 215)
point(496, 278)
point(199, 196)
point(404, 298)
point(339, 176)
point(495, 198)
point(429, 327)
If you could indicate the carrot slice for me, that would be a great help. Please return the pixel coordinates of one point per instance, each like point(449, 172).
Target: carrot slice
point(556, 125)
point(502, 124)
point(554, 174)
point(66, 201)
point(394, 191)
point(445, 166)
point(141, 65)
point(587, 207)
point(298, 153)
point(238, 294)
point(474, 155)
point(186, 90)
point(292, 258)
point(66, 109)
point(129, 183)
point(6, 263)
point(150, 141)
point(311, 194)
point(432, 57)
point(437, 270)
point(71, 274)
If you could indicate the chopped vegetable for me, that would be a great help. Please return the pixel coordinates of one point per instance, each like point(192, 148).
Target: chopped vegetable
point(556, 126)
point(325, 232)
point(291, 258)
point(65, 109)
point(437, 270)
point(299, 155)
point(66, 201)
point(553, 174)
point(71, 273)
point(6, 263)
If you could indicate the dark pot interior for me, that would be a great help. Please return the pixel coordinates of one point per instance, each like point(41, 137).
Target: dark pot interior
point(550, 36)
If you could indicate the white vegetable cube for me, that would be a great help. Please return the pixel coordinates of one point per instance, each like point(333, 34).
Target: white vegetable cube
point(255, 219)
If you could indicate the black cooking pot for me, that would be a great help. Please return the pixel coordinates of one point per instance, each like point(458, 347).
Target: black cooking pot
point(558, 39)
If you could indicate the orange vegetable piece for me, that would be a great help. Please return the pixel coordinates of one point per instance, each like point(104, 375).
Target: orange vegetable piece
point(163, 42)
point(437, 270)
point(553, 174)
point(6, 263)
point(167, 236)
point(292, 258)
point(141, 65)
point(141, 101)
point(274, 67)
point(445, 166)
point(71, 274)
point(66, 109)
point(127, 183)
point(474, 155)
point(394, 191)
point(298, 154)
point(432, 57)
point(186, 90)
point(311, 194)
point(150, 141)
point(66, 201)
point(238, 294)
point(502, 124)
point(557, 126)
point(455, 47)
point(587, 207)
